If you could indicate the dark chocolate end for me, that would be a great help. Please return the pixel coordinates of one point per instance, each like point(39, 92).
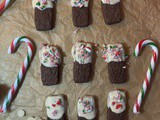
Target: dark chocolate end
point(114, 116)
point(44, 19)
point(117, 72)
point(49, 75)
point(82, 72)
point(111, 13)
point(80, 16)
point(82, 118)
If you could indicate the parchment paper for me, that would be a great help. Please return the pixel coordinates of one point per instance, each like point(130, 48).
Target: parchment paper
point(141, 21)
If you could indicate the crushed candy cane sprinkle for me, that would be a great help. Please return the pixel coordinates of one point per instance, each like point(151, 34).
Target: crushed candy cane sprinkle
point(43, 4)
point(110, 2)
point(86, 107)
point(82, 52)
point(116, 101)
point(49, 56)
point(55, 106)
point(113, 52)
point(80, 3)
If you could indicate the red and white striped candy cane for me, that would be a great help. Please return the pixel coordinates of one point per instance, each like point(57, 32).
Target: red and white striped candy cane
point(22, 71)
point(149, 73)
point(4, 5)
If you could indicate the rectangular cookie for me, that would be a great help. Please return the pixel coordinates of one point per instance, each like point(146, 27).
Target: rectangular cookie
point(86, 108)
point(82, 55)
point(44, 14)
point(80, 13)
point(50, 59)
point(114, 55)
point(56, 107)
point(116, 105)
point(111, 10)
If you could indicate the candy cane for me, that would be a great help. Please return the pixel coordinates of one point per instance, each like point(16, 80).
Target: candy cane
point(21, 73)
point(149, 73)
point(4, 5)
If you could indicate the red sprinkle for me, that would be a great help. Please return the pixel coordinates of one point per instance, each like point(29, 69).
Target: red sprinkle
point(53, 105)
point(113, 103)
point(58, 102)
point(117, 53)
point(119, 106)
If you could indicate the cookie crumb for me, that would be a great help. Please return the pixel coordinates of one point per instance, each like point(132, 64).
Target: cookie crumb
point(76, 31)
point(124, 67)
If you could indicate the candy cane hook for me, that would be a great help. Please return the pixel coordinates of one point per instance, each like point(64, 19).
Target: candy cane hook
point(4, 5)
point(149, 73)
point(22, 71)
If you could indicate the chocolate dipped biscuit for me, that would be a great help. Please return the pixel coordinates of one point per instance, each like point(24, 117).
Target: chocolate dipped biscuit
point(114, 55)
point(80, 13)
point(56, 108)
point(82, 55)
point(86, 108)
point(111, 10)
point(50, 59)
point(116, 105)
point(44, 14)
